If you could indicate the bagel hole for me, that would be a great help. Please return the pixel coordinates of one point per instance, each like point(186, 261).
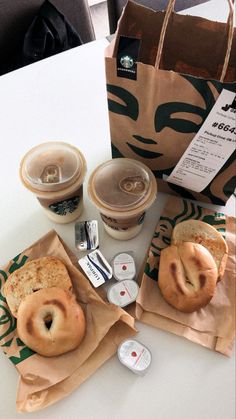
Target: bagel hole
point(48, 321)
point(188, 282)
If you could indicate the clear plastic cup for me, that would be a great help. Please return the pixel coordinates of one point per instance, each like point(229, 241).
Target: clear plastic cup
point(122, 190)
point(54, 172)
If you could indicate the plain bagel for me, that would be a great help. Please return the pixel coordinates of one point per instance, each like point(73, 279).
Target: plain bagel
point(197, 231)
point(51, 322)
point(187, 276)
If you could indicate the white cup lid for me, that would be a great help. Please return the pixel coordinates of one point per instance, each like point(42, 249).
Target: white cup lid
point(52, 166)
point(121, 184)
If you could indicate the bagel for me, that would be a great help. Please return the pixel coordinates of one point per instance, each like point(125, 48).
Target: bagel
point(51, 322)
point(187, 276)
point(48, 271)
point(203, 233)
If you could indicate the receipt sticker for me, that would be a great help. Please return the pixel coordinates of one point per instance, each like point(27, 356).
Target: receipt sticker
point(210, 148)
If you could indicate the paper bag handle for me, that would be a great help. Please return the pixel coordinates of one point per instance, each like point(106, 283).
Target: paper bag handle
point(230, 23)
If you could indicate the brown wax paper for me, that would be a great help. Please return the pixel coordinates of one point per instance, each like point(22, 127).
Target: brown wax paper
point(212, 326)
point(44, 380)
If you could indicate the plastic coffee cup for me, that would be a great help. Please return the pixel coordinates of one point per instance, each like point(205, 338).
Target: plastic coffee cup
point(54, 172)
point(122, 190)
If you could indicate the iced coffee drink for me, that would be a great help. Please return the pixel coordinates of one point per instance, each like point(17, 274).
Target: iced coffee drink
point(54, 172)
point(122, 190)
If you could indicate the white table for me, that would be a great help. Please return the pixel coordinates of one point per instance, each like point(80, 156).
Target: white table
point(64, 98)
point(214, 10)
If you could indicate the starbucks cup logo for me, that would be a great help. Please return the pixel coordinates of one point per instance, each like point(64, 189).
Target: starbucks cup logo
point(127, 61)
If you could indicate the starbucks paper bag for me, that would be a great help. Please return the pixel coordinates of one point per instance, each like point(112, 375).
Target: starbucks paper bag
point(44, 380)
point(212, 326)
point(164, 74)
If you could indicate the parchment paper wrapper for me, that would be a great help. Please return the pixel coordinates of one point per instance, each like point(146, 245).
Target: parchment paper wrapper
point(43, 380)
point(212, 326)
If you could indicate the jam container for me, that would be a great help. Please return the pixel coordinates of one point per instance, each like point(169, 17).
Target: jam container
point(135, 356)
point(123, 293)
point(123, 266)
point(122, 190)
point(54, 171)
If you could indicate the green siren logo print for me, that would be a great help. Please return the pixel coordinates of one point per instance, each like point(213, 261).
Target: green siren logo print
point(66, 206)
point(184, 210)
point(127, 61)
point(13, 347)
point(155, 119)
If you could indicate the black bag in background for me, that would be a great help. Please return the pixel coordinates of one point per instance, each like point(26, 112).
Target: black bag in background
point(49, 34)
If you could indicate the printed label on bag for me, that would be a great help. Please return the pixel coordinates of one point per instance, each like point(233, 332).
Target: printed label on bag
point(127, 57)
point(210, 148)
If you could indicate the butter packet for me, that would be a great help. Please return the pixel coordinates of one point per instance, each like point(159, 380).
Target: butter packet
point(86, 235)
point(96, 268)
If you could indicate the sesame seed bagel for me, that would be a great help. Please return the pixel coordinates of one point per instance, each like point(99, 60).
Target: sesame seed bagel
point(48, 271)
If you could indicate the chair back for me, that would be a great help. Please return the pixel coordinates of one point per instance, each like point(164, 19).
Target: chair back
point(16, 17)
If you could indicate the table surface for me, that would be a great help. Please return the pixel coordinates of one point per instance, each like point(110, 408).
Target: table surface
point(64, 98)
point(213, 9)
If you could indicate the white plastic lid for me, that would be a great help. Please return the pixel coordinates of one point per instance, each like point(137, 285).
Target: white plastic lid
point(121, 184)
point(52, 166)
point(135, 356)
point(123, 292)
point(123, 265)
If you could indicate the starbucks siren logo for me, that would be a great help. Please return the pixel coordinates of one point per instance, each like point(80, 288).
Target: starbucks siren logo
point(66, 206)
point(127, 61)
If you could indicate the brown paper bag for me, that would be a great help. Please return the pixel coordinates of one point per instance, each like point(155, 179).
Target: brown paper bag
point(214, 325)
point(41, 378)
point(182, 65)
